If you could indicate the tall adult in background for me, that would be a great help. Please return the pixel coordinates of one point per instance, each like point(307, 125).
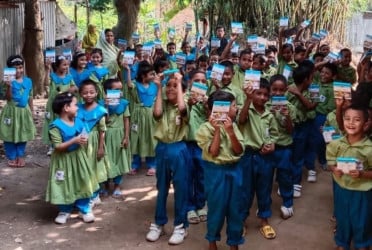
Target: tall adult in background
point(109, 50)
point(90, 40)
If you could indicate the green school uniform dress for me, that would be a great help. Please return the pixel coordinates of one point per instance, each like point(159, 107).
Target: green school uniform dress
point(16, 123)
point(238, 78)
point(143, 142)
point(119, 157)
point(57, 85)
point(198, 116)
point(95, 121)
point(70, 175)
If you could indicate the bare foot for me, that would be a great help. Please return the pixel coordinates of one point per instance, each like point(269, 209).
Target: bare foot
point(212, 245)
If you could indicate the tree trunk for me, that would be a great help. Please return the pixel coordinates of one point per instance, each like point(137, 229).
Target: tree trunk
point(127, 17)
point(33, 49)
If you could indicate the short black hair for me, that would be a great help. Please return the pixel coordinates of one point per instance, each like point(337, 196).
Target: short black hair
point(247, 51)
point(219, 95)
point(264, 84)
point(303, 71)
point(61, 100)
point(108, 83)
point(318, 54)
point(278, 77)
point(196, 71)
point(143, 68)
point(332, 67)
point(160, 63)
point(360, 108)
point(228, 64)
point(86, 83)
point(220, 27)
point(14, 60)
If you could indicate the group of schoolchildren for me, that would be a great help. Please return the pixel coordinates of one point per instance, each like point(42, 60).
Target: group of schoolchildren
point(217, 163)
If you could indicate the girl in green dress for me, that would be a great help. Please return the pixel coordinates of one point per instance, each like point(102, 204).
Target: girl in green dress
point(60, 81)
point(71, 179)
point(117, 137)
point(16, 123)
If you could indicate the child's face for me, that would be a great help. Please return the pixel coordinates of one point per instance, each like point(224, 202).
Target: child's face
point(82, 62)
point(199, 77)
point(271, 58)
point(213, 59)
point(220, 32)
point(345, 58)
point(278, 88)
point(245, 61)
point(203, 66)
point(96, 59)
point(287, 54)
point(354, 122)
point(257, 65)
point(260, 97)
point(227, 76)
point(149, 77)
point(19, 71)
point(235, 60)
point(299, 57)
point(233, 110)
point(63, 67)
point(326, 75)
point(72, 108)
point(186, 49)
point(190, 67)
point(171, 90)
point(88, 93)
point(324, 50)
point(318, 59)
point(171, 49)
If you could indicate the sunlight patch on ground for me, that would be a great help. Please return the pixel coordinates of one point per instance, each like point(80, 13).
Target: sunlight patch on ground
point(34, 198)
point(93, 229)
point(130, 198)
point(61, 240)
point(7, 171)
point(21, 203)
point(52, 235)
point(150, 195)
point(137, 190)
point(77, 224)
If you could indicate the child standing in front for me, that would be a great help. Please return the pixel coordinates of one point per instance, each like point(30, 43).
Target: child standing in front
point(222, 146)
point(60, 81)
point(99, 72)
point(260, 132)
point(93, 115)
point(172, 159)
point(353, 189)
point(285, 116)
point(117, 139)
point(16, 123)
point(71, 179)
point(142, 94)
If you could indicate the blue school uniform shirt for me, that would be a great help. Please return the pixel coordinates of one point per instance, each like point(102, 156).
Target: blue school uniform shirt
point(133, 72)
point(116, 109)
point(68, 132)
point(21, 91)
point(100, 72)
point(57, 80)
point(80, 77)
point(91, 117)
point(147, 95)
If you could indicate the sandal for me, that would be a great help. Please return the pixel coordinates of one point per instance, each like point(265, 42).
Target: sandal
point(202, 213)
point(12, 163)
point(117, 194)
point(268, 232)
point(132, 172)
point(103, 193)
point(193, 217)
point(151, 172)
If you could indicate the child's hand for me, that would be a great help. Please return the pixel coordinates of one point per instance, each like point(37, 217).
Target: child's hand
point(337, 172)
point(267, 148)
point(284, 111)
point(192, 99)
point(81, 140)
point(125, 65)
point(228, 125)
point(125, 142)
point(178, 76)
point(100, 153)
point(234, 36)
point(7, 83)
point(248, 91)
point(215, 124)
point(48, 64)
point(215, 83)
point(157, 81)
point(355, 174)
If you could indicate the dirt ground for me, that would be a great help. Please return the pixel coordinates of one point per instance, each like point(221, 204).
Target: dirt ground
point(26, 220)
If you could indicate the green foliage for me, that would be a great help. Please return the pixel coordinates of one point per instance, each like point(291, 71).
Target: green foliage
point(100, 5)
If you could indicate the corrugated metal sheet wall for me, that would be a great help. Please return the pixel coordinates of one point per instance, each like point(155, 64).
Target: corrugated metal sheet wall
point(356, 30)
point(11, 29)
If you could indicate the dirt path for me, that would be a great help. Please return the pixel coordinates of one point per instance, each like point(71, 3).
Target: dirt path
point(26, 220)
